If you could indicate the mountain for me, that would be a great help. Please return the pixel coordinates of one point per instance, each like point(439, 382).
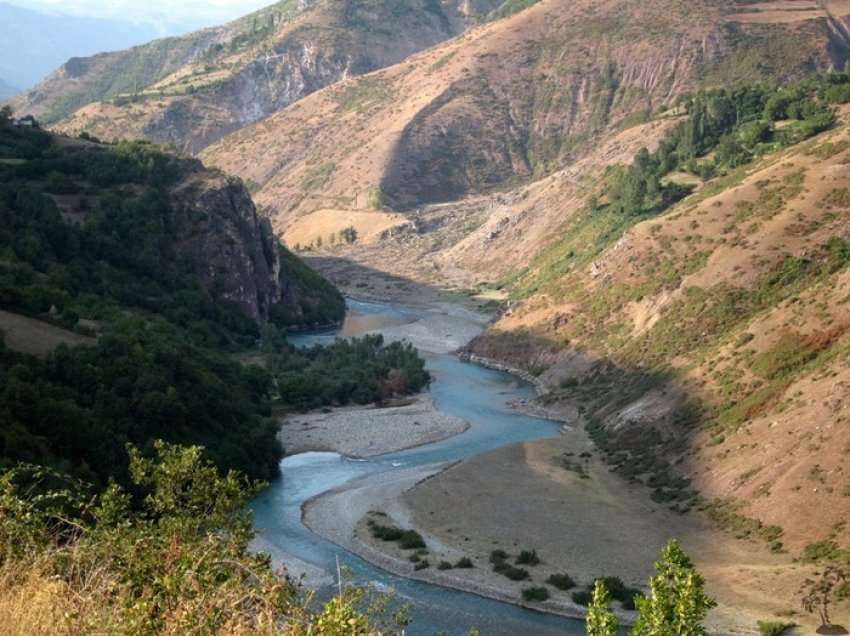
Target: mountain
point(665, 225)
point(193, 90)
point(7, 90)
point(35, 43)
point(512, 101)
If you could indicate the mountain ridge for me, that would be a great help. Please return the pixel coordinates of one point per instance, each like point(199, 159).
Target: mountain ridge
point(424, 127)
point(35, 42)
point(216, 81)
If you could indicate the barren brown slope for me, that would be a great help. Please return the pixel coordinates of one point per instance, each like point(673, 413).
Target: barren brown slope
point(268, 61)
point(509, 101)
point(712, 291)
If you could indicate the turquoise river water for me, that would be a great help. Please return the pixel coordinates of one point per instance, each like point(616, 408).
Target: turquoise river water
point(476, 394)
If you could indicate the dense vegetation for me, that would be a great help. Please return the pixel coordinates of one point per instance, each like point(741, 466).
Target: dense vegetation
point(721, 130)
point(358, 371)
point(162, 366)
point(121, 256)
point(724, 129)
point(167, 556)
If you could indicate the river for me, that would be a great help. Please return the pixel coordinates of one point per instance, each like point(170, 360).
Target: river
point(476, 394)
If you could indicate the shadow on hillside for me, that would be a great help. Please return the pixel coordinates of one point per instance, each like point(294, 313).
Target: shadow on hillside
point(362, 282)
point(639, 418)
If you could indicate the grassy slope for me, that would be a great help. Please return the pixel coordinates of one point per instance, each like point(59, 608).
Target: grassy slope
point(36, 337)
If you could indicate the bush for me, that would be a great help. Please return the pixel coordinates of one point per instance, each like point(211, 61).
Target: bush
point(385, 533)
point(561, 581)
point(620, 591)
point(528, 557)
point(407, 539)
point(513, 573)
point(582, 597)
point(422, 565)
point(444, 565)
point(773, 628)
point(536, 594)
point(497, 556)
point(411, 540)
point(464, 563)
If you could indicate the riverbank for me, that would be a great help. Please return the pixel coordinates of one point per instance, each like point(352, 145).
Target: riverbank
point(584, 526)
point(555, 496)
point(344, 516)
point(360, 432)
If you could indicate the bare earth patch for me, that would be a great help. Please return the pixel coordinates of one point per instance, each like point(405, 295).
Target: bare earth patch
point(36, 337)
point(323, 224)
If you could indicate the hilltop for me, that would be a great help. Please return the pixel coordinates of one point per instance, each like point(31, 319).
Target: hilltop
point(192, 90)
point(514, 100)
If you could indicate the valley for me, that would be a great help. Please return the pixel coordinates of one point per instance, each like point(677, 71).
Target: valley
point(499, 297)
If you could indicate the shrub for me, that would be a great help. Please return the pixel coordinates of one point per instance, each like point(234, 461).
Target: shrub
point(464, 563)
point(407, 539)
point(561, 581)
point(422, 565)
point(444, 565)
point(620, 591)
point(773, 628)
point(582, 597)
point(825, 550)
point(411, 540)
point(497, 556)
point(511, 572)
point(385, 533)
point(536, 594)
point(528, 557)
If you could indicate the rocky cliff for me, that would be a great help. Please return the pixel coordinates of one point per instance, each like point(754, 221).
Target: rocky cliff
point(191, 91)
point(234, 253)
point(229, 247)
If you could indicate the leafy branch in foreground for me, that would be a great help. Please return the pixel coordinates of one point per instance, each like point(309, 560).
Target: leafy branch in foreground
point(169, 556)
point(600, 619)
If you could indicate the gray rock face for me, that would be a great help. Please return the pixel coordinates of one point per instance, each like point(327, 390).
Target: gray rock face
point(231, 249)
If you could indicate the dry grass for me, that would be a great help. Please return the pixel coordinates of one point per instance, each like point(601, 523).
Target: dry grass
point(36, 337)
point(322, 224)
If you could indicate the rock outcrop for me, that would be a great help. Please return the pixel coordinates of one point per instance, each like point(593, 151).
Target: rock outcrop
point(229, 246)
point(234, 253)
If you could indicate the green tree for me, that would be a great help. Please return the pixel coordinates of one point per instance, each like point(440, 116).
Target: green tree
point(677, 603)
point(600, 619)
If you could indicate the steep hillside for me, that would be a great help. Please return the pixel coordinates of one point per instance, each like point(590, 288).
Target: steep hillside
point(191, 91)
point(515, 99)
point(723, 326)
point(127, 275)
point(182, 221)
